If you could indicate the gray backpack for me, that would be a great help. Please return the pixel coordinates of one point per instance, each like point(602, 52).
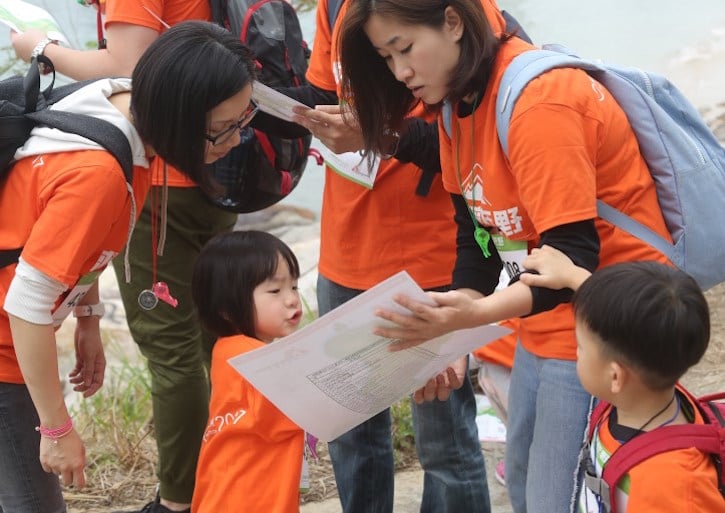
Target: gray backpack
point(684, 158)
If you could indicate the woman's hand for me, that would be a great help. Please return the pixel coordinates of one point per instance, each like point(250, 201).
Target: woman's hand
point(88, 373)
point(452, 311)
point(441, 386)
point(65, 457)
point(25, 42)
point(333, 127)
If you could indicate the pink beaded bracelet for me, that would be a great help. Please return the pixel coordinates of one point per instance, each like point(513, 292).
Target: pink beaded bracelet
point(56, 433)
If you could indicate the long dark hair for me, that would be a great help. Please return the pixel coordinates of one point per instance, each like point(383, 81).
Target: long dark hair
point(380, 102)
point(187, 71)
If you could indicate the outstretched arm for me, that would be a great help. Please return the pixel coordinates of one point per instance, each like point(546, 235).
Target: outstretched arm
point(125, 44)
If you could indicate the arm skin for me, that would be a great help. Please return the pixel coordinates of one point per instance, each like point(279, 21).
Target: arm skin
point(35, 348)
point(454, 310)
point(88, 373)
point(38, 359)
point(125, 44)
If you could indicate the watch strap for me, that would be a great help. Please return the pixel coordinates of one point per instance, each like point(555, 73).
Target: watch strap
point(97, 310)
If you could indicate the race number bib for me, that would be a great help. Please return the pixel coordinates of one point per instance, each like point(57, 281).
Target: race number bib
point(512, 253)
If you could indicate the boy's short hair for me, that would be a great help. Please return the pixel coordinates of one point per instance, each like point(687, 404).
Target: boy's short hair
point(652, 316)
point(229, 268)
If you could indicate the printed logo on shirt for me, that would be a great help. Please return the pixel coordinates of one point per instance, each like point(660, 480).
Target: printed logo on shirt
point(507, 220)
point(38, 161)
point(219, 422)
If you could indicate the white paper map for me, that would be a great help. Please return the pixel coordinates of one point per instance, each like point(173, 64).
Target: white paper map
point(334, 373)
point(352, 165)
point(273, 102)
point(21, 16)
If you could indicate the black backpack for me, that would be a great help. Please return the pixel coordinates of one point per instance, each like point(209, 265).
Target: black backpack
point(263, 169)
point(23, 106)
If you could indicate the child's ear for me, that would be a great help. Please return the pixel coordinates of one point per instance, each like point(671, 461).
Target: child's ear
point(618, 375)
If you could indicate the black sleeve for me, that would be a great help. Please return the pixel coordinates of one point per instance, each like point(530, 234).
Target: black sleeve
point(308, 95)
point(419, 145)
point(472, 269)
point(580, 242)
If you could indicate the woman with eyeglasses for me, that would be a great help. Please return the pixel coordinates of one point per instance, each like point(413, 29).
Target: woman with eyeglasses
point(67, 203)
point(177, 227)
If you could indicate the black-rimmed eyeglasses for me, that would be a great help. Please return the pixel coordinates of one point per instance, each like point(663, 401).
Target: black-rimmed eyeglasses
point(226, 134)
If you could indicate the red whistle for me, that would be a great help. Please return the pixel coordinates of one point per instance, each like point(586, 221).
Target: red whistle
point(161, 289)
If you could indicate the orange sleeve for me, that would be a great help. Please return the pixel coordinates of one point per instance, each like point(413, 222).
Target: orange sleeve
point(79, 208)
point(171, 12)
point(319, 72)
point(552, 150)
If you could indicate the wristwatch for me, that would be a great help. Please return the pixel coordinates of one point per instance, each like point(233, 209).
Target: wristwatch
point(40, 50)
point(97, 310)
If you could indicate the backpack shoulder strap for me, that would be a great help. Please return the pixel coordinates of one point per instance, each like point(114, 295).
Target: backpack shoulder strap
point(97, 130)
point(704, 437)
point(447, 118)
point(526, 67)
point(596, 417)
point(333, 10)
point(523, 69)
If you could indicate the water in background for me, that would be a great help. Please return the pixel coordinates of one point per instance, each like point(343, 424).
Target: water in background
point(683, 40)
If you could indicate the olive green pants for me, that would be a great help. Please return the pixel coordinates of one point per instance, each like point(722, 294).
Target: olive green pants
point(171, 339)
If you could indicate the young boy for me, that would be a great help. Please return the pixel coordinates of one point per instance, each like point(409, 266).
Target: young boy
point(639, 327)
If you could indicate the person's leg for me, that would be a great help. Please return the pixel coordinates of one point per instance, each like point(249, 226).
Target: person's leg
point(446, 440)
point(520, 427)
point(362, 458)
point(562, 406)
point(171, 338)
point(24, 486)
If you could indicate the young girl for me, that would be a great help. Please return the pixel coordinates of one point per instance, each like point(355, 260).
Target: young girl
point(68, 205)
point(569, 144)
point(245, 289)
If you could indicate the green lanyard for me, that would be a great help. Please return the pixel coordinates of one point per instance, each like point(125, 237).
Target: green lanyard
point(479, 233)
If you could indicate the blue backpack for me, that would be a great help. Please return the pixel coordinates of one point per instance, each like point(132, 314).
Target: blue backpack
point(684, 158)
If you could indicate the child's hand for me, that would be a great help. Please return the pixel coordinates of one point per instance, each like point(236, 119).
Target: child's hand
point(556, 270)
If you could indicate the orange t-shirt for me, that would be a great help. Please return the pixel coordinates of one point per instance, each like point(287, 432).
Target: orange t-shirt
point(569, 144)
point(370, 235)
point(683, 480)
point(171, 12)
point(501, 351)
point(70, 212)
point(251, 453)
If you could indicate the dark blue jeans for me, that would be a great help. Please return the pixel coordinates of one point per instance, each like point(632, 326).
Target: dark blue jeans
point(446, 440)
point(24, 486)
